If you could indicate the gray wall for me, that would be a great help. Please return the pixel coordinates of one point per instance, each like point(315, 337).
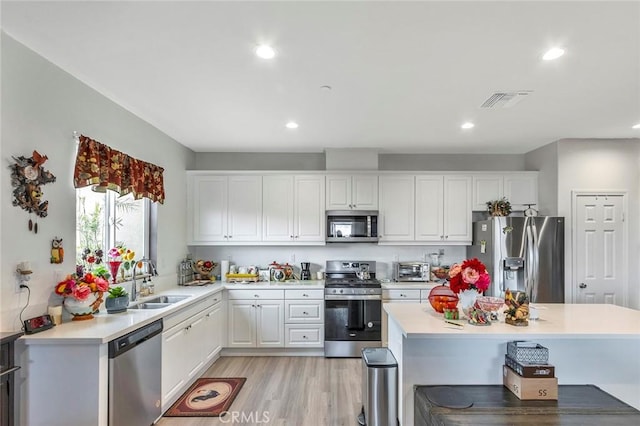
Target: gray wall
point(316, 161)
point(41, 107)
point(545, 160)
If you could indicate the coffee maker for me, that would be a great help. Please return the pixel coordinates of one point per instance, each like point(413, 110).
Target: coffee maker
point(305, 273)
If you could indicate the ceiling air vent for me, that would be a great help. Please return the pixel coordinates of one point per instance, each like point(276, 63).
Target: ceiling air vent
point(505, 99)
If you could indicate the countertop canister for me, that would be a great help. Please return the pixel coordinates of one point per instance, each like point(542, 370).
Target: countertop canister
point(224, 270)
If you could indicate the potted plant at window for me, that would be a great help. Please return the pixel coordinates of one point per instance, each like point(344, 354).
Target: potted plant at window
point(117, 300)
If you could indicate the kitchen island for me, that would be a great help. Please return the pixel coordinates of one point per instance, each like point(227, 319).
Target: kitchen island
point(588, 344)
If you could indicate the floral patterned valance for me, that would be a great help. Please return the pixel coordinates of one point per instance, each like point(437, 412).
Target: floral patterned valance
point(98, 164)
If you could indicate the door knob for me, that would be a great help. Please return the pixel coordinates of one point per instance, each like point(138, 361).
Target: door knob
point(582, 285)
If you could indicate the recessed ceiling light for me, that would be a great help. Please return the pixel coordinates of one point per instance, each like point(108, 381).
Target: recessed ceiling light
point(265, 52)
point(467, 125)
point(553, 53)
point(291, 125)
point(637, 126)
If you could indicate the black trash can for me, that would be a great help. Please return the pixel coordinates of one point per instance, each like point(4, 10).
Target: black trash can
point(379, 388)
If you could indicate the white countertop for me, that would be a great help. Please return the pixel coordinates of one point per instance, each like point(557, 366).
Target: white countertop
point(419, 320)
point(106, 327)
point(409, 285)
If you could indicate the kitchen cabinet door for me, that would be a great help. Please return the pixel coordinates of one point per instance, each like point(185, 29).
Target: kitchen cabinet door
point(486, 188)
point(352, 192)
point(429, 208)
point(457, 209)
point(242, 323)
point(338, 192)
point(270, 323)
point(207, 208)
point(244, 208)
point(396, 215)
point(309, 209)
point(175, 371)
point(364, 192)
point(212, 336)
point(194, 357)
point(277, 208)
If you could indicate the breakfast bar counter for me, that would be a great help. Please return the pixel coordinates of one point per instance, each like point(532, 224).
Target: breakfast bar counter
point(588, 344)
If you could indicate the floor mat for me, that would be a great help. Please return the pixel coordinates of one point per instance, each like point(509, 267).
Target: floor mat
point(207, 397)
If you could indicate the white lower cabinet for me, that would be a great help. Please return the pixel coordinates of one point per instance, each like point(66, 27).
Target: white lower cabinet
point(304, 318)
point(397, 295)
point(191, 338)
point(256, 318)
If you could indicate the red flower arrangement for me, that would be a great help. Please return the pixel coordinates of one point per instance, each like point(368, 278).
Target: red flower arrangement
point(81, 287)
point(471, 274)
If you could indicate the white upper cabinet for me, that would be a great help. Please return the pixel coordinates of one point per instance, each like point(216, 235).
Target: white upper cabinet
point(396, 215)
point(293, 208)
point(224, 209)
point(520, 188)
point(352, 192)
point(443, 208)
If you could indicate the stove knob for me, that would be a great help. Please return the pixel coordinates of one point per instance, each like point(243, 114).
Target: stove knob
point(370, 324)
point(341, 291)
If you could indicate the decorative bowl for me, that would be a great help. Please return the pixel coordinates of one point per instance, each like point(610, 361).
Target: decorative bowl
point(440, 272)
point(442, 297)
point(489, 304)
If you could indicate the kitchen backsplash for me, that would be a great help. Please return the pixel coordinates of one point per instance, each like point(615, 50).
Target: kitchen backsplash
point(318, 255)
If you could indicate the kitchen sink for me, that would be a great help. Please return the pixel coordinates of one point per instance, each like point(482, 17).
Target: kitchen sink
point(149, 305)
point(166, 299)
point(159, 302)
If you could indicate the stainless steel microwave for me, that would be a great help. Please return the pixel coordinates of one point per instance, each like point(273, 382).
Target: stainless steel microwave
point(352, 226)
point(411, 271)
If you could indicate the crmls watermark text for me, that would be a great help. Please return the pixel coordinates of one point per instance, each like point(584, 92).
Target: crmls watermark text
point(253, 417)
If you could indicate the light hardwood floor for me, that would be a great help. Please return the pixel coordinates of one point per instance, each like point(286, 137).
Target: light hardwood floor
point(291, 391)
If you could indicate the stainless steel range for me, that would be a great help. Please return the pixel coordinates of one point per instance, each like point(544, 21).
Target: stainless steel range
point(353, 308)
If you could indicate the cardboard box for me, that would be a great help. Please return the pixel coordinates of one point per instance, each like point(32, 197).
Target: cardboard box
point(530, 388)
point(530, 370)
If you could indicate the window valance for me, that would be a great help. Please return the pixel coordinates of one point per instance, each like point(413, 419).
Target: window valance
point(100, 165)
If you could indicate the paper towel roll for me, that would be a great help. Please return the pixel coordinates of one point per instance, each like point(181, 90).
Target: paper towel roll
point(224, 270)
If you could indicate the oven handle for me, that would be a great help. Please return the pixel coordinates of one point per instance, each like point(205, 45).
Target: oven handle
point(353, 297)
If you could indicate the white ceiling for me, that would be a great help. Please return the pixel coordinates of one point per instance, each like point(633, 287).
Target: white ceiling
point(404, 75)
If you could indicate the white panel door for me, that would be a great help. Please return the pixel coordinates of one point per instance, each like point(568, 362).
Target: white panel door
point(364, 192)
point(242, 323)
point(429, 209)
point(457, 208)
point(213, 335)
point(396, 217)
point(208, 204)
point(270, 323)
point(309, 209)
point(245, 208)
point(599, 250)
point(277, 208)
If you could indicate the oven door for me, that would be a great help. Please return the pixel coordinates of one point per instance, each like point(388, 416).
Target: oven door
point(356, 318)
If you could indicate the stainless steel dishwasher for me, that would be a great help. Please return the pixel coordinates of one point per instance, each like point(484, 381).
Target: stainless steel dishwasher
point(135, 382)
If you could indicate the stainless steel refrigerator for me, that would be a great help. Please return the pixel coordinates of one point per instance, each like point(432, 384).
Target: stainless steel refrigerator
point(522, 253)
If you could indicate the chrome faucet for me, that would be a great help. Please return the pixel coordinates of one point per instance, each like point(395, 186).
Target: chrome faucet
point(152, 272)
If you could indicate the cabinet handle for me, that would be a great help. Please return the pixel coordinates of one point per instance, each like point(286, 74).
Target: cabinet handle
point(290, 236)
point(442, 237)
point(582, 285)
point(305, 337)
point(259, 306)
point(305, 295)
point(403, 295)
point(305, 313)
point(296, 236)
point(253, 306)
point(256, 296)
point(446, 237)
point(230, 236)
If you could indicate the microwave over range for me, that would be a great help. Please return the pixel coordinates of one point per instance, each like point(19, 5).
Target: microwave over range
point(352, 226)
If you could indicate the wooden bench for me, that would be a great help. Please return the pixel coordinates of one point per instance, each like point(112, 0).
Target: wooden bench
point(496, 405)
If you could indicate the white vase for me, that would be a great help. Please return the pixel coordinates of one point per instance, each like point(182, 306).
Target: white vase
point(466, 300)
point(83, 309)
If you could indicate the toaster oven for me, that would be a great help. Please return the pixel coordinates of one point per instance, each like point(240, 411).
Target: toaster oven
point(411, 271)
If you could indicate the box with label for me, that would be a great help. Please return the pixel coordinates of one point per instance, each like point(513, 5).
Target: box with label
point(526, 369)
point(530, 388)
point(523, 351)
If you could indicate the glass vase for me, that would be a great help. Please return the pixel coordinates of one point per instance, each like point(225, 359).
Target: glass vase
point(114, 265)
point(466, 300)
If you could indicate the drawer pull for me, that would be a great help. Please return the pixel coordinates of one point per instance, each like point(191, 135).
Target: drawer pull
point(304, 337)
point(305, 295)
point(305, 313)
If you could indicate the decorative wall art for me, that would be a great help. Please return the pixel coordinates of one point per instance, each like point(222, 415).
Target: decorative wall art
point(57, 251)
point(27, 178)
